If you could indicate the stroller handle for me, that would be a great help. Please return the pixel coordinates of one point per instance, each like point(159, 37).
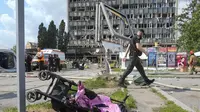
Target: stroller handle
point(123, 101)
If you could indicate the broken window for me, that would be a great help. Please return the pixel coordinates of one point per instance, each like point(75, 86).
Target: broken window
point(73, 9)
point(135, 25)
point(125, 6)
point(171, 4)
point(164, 15)
point(145, 25)
point(116, 6)
point(75, 18)
point(105, 27)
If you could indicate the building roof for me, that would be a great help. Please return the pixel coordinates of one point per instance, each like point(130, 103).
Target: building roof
point(33, 43)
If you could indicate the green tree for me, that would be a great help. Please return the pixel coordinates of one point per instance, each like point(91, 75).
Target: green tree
point(66, 41)
point(61, 39)
point(51, 36)
point(42, 36)
point(14, 48)
point(189, 27)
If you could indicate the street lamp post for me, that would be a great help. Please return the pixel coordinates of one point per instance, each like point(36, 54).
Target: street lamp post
point(156, 46)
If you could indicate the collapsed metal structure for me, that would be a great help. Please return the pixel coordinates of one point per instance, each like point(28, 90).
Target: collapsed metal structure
point(104, 15)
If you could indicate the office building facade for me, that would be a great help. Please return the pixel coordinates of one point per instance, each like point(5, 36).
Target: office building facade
point(156, 17)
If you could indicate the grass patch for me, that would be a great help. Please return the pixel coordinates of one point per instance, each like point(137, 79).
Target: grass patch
point(41, 107)
point(117, 70)
point(120, 95)
point(169, 105)
point(100, 82)
point(159, 94)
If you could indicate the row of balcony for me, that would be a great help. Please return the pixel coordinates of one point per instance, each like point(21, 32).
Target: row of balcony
point(87, 43)
point(126, 31)
point(116, 2)
point(132, 22)
point(128, 11)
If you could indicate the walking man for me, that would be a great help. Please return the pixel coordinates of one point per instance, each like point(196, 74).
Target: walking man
point(135, 50)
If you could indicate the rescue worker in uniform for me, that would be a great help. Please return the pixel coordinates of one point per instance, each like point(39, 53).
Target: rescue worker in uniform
point(192, 63)
point(40, 56)
point(136, 50)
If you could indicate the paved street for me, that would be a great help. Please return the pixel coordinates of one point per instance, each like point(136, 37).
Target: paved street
point(190, 98)
point(8, 87)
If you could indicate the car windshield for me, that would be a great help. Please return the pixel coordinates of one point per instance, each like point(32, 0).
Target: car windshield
point(7, 60)
point(45, 56)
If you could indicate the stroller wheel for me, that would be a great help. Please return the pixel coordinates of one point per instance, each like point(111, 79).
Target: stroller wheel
point(43, 76)
point(39, 96)
point(32, 96)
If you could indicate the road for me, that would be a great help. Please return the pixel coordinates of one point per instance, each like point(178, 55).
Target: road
point(8, 85)
point(190, 98)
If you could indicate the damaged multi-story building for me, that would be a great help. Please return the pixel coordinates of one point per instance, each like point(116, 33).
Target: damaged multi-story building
point(156, 17)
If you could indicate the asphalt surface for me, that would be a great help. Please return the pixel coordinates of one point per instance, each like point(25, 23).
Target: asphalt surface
point(190, 98)
point(8, 87)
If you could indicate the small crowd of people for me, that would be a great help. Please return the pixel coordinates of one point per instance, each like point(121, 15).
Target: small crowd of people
point(54, 63)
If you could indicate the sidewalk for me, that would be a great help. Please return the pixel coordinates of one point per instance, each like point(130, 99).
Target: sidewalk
point(146, 100)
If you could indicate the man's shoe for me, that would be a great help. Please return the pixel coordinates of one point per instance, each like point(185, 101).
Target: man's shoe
point(150, 82)
point(122, 85)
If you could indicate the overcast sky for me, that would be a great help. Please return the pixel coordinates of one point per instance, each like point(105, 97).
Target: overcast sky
point(36, 11)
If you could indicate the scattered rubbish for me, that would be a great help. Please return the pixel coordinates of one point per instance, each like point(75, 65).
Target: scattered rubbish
point(195, 85)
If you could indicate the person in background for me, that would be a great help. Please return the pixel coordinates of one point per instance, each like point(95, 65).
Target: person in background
point(54, 63)
point(57, 63)
point(28, 62)
point(192, 63)
point(40, 56)
point(50, 60)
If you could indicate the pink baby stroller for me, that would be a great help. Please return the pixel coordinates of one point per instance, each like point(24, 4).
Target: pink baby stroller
point(81, 100)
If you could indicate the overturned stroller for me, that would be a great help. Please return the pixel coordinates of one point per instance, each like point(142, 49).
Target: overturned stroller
point(66, 99)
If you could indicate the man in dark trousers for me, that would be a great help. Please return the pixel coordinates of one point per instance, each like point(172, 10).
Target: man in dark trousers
point(50, 60)
point(28, 62)
point(57, 59)
point(135, 50)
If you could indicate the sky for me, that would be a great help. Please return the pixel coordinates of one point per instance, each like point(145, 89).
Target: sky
point(36, 11)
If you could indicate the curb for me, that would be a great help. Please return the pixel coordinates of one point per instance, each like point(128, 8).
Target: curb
point(177, 87)
point(177, 102)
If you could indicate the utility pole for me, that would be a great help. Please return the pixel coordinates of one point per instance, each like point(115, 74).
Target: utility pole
point(21, 102)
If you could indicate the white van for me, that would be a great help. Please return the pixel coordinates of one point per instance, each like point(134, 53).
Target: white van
point(47, 52)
